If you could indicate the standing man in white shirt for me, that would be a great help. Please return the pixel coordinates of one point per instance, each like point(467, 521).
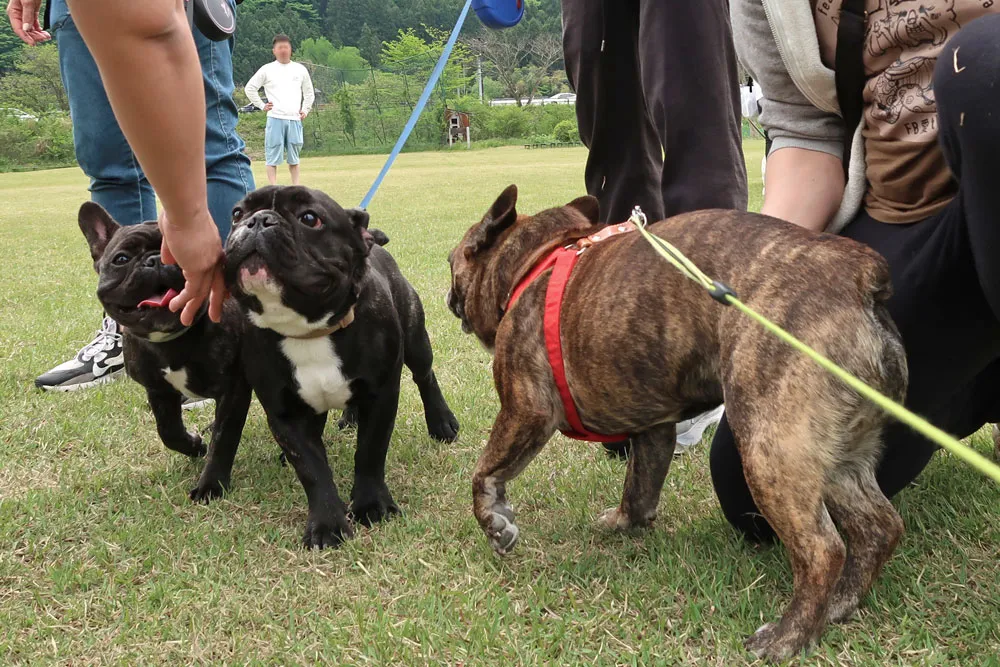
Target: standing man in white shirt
point(290, 97)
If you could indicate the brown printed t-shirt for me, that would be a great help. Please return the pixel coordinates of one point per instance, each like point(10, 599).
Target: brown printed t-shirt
point(908, 178)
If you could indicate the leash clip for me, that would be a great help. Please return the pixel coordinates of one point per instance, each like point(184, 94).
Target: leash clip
point(638, 217)
point(721, 291)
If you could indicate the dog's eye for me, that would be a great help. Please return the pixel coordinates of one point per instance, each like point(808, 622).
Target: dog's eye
point(121, 259)
point(311, 219)
point(237, 214)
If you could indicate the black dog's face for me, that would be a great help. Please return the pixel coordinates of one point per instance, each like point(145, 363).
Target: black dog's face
point(294, 258)
point(134, 285)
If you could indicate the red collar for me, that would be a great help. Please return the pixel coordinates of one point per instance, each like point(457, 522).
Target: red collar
point(561, 261)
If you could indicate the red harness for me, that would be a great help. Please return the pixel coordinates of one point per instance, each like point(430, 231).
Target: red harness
point(562, 261)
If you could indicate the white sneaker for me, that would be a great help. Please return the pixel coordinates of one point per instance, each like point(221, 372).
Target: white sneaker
point(689, 431)
point(195, 403)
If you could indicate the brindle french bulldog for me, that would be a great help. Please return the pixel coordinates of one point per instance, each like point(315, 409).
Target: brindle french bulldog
point(808, 444)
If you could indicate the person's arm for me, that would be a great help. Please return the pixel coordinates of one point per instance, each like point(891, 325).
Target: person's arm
point(252, 89)
point(308, 95)
point(803, 186)
point(805, 179)
point(141, 47)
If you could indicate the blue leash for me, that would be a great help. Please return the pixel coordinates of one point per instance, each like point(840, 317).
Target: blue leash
point(421, 103)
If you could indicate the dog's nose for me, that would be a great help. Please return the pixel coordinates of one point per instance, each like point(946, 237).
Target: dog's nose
point(261, 220)
point(151, 261)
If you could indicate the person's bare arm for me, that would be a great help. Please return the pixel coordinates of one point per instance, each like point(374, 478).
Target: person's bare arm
point(149, 65)
point(805, 179)
point(803, 186)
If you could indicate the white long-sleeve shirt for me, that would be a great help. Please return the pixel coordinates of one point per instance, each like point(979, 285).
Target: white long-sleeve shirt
point(287, 86)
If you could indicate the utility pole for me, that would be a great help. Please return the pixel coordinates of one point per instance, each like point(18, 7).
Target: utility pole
point(479, 75)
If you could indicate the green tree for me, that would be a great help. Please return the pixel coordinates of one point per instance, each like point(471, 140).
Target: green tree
point(10, 49)
point(343, 65)
point(35, 85)
point(345, 102)
point(370, 46)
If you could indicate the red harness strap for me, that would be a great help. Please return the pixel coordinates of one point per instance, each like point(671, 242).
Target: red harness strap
point(562, 261)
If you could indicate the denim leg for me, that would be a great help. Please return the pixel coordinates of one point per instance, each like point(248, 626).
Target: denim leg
point(228, 167)
point(117, 182)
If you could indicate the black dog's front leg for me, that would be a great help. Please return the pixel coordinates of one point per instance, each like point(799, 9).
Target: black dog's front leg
point(166, 407)
point(301, 438)
point(227, 429)
point(370, 497)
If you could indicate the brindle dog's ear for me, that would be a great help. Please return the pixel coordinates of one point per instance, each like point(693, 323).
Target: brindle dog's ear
point(589, 206)
point(501, 215)
point(98, 226)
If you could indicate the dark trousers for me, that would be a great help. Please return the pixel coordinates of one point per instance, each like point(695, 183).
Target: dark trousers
point(658, 104)
point(946, 283)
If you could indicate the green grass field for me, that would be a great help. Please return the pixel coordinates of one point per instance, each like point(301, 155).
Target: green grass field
point(104, 560)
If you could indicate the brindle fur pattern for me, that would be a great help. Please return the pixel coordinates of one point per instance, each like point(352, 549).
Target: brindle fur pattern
point(644, 348)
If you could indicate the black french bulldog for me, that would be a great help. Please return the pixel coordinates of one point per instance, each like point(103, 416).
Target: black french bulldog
point(331, 321)
point(169, 360)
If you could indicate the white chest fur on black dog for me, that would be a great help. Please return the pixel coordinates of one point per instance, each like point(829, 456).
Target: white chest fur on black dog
point(178, 379)
point(317, 370)
point(315, 364)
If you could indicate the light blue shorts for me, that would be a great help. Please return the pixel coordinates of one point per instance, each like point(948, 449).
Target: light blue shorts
point(282, 135)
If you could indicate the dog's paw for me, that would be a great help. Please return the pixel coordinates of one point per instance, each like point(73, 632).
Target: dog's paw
point(772, 644)
point(502, 532)
point(191, 445)
point(842, 608)
point(443, 427)
point(349, 418)
point(614, 519)
point(323, 533)
point(371, 502)
point(208, 490)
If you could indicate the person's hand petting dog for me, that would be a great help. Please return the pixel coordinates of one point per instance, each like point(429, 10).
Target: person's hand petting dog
point(197, 248)
point(23, 15)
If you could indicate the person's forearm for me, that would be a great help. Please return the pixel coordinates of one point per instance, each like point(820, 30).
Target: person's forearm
point(803, 186)
point(252, 89)
point(163, 118)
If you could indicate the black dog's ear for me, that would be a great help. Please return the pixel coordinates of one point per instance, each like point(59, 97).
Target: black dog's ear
point(379, 237)
point(98, 226)
point(501, 215)
point(589, 206)
point(359, 219)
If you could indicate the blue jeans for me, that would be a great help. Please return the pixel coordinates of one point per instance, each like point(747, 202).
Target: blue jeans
point(117, 182)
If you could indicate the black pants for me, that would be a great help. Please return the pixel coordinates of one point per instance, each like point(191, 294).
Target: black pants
point(658, 104)
point(946, 282)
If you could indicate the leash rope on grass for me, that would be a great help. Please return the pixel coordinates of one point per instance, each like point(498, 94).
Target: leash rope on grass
point(727, 297)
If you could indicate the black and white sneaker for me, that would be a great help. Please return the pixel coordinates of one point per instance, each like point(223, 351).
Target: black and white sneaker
point(98, 362)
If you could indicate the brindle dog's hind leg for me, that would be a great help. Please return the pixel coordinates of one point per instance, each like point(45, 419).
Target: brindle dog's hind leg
point(515, 440)
point(786, 472)
point(873, 529)
point(652, 452)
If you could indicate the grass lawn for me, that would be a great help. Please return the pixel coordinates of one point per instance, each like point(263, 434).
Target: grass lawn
point(104, 560)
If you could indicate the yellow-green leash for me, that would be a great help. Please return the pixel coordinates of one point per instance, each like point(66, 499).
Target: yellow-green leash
point(726, 296)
